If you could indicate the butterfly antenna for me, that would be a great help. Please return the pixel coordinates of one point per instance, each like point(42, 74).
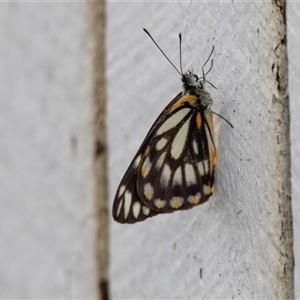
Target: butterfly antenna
point(211, 66)
point(222, 118)
point(210, 83)
point(180, 55)
point(162, 51)
point(211, 52)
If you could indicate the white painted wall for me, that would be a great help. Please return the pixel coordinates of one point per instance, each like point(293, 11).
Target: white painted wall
point(47, 213)
point(240, 239)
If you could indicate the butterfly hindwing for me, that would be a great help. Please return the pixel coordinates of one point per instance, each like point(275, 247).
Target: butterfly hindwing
point(174, 167)
point(177, 170)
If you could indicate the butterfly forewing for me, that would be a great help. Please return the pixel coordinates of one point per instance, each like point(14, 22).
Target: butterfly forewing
point(127, 205)
point(176, 171)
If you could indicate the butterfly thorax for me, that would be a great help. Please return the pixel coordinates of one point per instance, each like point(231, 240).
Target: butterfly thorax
point(192, 85)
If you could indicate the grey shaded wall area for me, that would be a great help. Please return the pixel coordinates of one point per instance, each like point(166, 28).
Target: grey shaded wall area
point(293, 23)
point(53, 243)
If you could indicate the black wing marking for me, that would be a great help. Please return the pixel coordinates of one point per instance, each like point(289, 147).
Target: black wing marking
point(127, 205)
point(179, 178)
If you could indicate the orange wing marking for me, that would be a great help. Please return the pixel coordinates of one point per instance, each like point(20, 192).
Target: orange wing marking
point(186, 98)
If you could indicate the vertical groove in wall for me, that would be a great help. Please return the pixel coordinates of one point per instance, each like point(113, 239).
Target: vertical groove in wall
point(282, 133)
point(97, 14)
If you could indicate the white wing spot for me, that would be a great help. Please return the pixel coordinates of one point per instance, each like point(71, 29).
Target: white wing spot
point(161, 143)
point(160, 161)
point(207, 190)
point(119, 207)
point(206, 167)
point(177, 179)
point(137, 161)
point(136, 208)
point(180, 140)
point(195, 147)
point(146, 210)
point(159, 203)
point(121, 190)
point(127, 203)
point(190, 175)
point(146, 167)
point(173, 120)
point(165, 175)
point(176, 202)
point(200, 168)
point(148, 191)
point(194, 199)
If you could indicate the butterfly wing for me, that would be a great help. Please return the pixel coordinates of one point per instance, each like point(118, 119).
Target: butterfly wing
point(177, 169)
point(174, 167)
point(127, 205)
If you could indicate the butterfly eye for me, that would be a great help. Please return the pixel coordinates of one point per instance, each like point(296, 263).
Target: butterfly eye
point(196, 77)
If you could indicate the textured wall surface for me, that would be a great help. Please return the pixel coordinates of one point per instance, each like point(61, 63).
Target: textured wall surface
point(293, 23)
point(239, 244)
point(47, 211)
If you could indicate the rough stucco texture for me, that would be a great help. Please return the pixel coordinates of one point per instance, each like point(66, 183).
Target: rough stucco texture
point(293, 22)
point(240, 241)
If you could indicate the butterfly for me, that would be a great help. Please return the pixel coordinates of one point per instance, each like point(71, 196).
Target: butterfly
point(174, 167)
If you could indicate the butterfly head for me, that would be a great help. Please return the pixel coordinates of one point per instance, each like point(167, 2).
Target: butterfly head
point(193, 85)
point(191, 80)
